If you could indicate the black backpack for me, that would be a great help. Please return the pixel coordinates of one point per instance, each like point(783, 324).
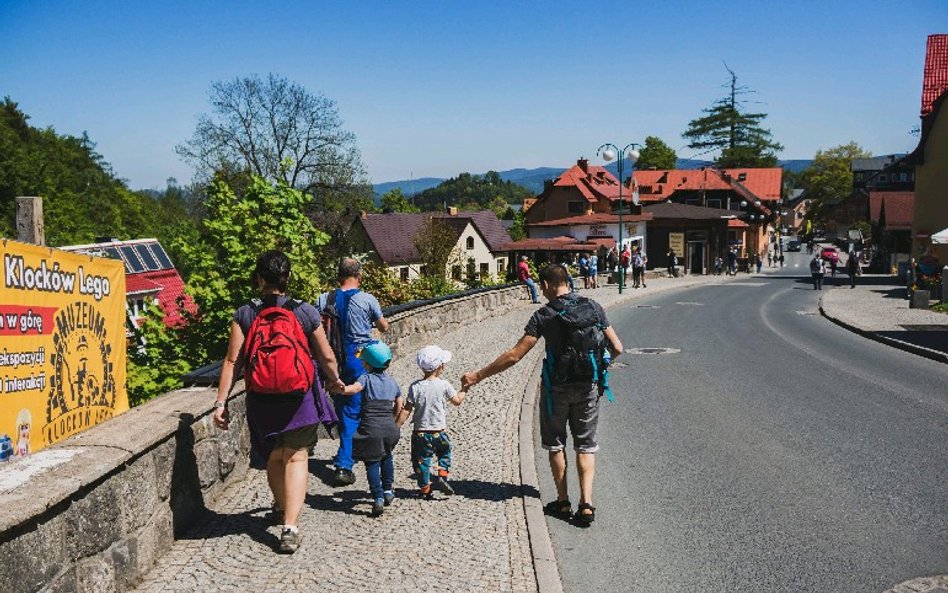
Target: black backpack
point(332, 316)
point(581, 354)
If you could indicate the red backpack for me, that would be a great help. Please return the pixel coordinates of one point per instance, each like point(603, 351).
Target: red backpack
point(276, 352)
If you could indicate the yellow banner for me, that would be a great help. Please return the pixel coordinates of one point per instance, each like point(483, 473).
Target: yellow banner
point(62, 344)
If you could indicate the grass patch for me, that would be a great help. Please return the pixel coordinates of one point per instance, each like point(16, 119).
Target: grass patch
point(940, 307)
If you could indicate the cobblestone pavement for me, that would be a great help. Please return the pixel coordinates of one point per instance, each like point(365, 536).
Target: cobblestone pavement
point(474, 541)
point(878, 307)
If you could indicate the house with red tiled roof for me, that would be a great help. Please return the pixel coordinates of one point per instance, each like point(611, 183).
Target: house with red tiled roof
point(581, 189)
point(931, 156)
point(479, 241)
point(149, 276)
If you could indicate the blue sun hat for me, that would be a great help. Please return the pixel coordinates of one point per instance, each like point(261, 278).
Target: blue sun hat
point(377, 355)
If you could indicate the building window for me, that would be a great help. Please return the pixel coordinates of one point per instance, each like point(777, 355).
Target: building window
point(714, 203)
point(485, 271)
point(883, 178)
point(576, 207)
point(456, 273)
point(470, 243)
point(403, 272)
point(859, 176)
point(500, 268)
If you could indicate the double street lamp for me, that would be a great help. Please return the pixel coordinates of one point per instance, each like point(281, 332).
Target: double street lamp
point(610, 152)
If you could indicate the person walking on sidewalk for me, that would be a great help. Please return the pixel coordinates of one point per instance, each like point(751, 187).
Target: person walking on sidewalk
point(357, 313)
point(378, 432)
point(578, 339)
point(426, 401)
point(523, 273)
point(594, 271)
point(852, 268)
point(817, 270)
point(282, 417)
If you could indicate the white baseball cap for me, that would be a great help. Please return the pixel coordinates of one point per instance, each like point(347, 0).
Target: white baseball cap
point(431, 357)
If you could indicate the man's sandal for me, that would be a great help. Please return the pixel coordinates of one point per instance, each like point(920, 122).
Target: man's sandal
point(585, 514)
point(561, 509)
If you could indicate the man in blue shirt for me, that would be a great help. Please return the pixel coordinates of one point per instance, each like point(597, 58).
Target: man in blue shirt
point(359, 312)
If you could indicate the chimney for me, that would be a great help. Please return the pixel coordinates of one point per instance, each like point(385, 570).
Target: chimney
point(583, 165)
point(452, 210)
point(548, 185)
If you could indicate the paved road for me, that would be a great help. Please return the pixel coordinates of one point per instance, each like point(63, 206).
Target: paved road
point(775, 452)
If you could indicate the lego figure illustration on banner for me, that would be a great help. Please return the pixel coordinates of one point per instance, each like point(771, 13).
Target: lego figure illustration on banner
point(23, 421)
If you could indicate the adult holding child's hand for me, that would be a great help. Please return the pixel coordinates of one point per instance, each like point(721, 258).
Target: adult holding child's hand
point(573, 380)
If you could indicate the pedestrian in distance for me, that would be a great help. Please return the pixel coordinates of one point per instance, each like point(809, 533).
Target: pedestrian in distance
point(718, 266)
point(625, 260)
point(584, 270)
point(282, 408)
point(732, 261)
point(523, 273)
point(612, 261)
point(594, 271)
point(852, 268)
point(572, 287)
point(579, 345)
point(757, 262)
point(426, 404)
point(817, 270)
point(833, 262)
point(770, 260)
point(672, 267)
point(351, 314)
point(378, 433)
point(781, 259)
point(638, 268)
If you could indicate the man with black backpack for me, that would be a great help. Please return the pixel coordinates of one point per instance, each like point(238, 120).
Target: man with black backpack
point(580, 344)
point(349, 314)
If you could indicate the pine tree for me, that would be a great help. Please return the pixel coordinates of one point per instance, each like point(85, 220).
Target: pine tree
point(738, 135)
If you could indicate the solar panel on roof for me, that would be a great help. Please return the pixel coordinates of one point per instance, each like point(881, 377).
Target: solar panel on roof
point(147, 258)
point(131, 259)
point(112, 252)
point(161, 256)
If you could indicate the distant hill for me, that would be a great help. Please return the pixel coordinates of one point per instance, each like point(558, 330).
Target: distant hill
point(533, 179)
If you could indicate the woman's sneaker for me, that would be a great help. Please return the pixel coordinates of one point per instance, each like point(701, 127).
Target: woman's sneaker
point(290, 540)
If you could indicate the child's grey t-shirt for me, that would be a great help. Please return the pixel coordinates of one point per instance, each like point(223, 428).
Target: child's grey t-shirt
point(427, 398)
point(379, 386)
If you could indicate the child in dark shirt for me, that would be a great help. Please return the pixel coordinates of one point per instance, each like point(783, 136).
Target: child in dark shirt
point(378, 434)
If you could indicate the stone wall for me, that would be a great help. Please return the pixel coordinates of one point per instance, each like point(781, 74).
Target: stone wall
point(94, 512)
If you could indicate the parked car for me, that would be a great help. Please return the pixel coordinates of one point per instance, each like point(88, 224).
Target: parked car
point(794, 246)
point(830, 253)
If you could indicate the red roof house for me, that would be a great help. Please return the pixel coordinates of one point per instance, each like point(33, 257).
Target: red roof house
point(149, 274)
point(711, 187)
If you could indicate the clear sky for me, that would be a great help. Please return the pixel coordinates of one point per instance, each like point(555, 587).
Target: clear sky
point(435, 88)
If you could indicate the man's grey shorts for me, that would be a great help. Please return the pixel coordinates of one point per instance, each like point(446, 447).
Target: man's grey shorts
point(576, 405)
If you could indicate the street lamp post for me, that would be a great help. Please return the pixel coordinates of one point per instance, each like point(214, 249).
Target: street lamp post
point(610, 152)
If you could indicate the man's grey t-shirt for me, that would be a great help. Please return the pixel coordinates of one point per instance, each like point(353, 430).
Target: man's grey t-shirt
point(427, 397)
point(364, 311)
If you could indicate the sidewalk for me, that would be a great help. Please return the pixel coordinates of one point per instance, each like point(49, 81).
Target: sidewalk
point(476, 540)
point(879, 310)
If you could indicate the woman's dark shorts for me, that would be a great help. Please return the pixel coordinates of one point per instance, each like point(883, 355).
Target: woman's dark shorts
point(576, 405)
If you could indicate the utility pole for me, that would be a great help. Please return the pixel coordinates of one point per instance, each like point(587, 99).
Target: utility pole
point(29, 220)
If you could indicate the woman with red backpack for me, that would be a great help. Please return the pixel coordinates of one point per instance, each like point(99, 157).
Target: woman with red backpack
point(274, 339)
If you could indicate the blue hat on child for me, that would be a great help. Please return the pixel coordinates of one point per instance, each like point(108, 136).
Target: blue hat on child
point(377, 354)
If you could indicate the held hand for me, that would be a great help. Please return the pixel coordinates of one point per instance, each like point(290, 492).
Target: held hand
point(337, 386)
point(221, 418)
point(468, 380)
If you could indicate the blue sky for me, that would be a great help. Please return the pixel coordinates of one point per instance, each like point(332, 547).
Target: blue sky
point(435, 88)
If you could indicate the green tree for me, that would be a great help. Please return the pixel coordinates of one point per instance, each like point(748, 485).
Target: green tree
point(276, 129)
point(395, 201)
point(518, 230)
point(829, 178)
point(82, 198)
point(736, 133)
point(656, 155)
point(237, 228)
point(473, 192)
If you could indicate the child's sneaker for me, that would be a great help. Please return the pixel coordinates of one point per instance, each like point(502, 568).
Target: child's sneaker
point(290, 540)
point(425, 493)
point(388, 496)
point(378, 507)
point(441, 483)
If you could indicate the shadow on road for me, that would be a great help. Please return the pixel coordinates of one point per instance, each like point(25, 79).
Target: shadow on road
point(254, 523)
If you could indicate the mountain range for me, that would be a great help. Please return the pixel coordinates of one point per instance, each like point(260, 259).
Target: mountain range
point(533, 179)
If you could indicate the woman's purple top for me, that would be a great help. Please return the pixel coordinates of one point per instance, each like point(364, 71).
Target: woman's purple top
point(270, 415)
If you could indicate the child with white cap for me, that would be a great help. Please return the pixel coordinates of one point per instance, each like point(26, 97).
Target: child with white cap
point(426, 400)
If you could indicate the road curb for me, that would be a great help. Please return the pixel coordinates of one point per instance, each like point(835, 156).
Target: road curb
point(541, 547)
point(907, 347)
